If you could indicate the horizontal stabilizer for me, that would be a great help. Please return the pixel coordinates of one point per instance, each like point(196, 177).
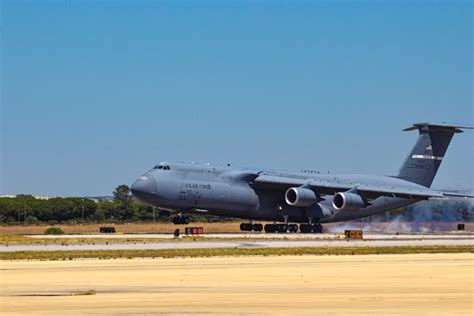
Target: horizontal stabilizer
point(433, 126)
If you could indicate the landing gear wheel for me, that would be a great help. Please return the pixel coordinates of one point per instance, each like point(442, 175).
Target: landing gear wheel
point(282, 228)
point(257, 227)
point(184, 220)
point(317, 228)
point(293, 228)
point(246, 227)
point(305, 228)
point(270, 228)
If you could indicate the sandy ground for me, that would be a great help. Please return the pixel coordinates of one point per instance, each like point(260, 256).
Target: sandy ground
point(146, 228)
point(435, 284)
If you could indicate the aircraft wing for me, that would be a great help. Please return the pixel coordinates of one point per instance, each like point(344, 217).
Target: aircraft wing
point(324, 187)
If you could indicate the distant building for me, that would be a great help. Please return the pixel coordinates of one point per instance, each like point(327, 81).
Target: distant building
point(8, 196)
point(100, 198)
point(38, 197)
point(47, 197)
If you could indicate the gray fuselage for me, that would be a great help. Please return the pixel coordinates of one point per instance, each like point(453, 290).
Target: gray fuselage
point(226, 191)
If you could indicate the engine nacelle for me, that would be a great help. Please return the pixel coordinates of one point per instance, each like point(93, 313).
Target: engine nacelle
point(300, 197)
point(347, 201)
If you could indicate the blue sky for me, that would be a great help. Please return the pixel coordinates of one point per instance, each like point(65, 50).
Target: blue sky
point(95, 93)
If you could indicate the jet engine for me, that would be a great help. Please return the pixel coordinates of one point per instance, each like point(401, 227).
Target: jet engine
point(347, 201)
point(300, 197)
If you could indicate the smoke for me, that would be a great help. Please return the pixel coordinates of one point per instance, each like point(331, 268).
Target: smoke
point(423, 217)
point(341, 227)
point(397, 225)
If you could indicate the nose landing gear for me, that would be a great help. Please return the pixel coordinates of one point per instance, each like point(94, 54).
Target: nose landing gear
point(181, 220)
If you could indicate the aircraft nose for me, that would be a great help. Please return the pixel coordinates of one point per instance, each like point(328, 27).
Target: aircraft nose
point(144, 187)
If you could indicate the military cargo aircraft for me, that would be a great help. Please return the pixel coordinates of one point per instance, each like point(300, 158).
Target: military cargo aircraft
point(308, 198)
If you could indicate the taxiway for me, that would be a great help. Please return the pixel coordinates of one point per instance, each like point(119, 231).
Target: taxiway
point(146, 242)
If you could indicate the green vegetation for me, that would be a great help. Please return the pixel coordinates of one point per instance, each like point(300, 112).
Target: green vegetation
point(54, 231)
point(26, 209)
point(193, 253)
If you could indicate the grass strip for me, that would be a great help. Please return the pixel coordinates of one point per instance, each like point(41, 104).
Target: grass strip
point(194, 253)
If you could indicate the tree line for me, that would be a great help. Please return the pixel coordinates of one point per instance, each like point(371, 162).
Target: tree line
point(27, 209)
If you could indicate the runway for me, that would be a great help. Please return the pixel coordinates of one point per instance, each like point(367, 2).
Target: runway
point(423, 284)
point(243, 241)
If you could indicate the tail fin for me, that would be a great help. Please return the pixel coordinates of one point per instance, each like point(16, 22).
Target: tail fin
point(425, 158)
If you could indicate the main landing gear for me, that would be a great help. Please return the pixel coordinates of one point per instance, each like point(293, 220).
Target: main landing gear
point(311, 228)
point(282, 228)
point(248, 227)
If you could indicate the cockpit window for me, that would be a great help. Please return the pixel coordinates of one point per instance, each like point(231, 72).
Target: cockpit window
point(162, 167)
